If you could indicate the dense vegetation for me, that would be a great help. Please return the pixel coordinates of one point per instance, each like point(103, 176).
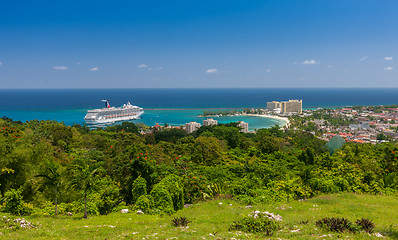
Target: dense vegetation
point(48, 168)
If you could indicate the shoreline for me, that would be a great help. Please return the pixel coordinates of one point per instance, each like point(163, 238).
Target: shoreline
point(287, 121)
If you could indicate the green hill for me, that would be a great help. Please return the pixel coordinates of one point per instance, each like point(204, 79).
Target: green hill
point(212, 218)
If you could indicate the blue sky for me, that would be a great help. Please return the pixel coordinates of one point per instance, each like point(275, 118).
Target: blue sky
point(206, 44)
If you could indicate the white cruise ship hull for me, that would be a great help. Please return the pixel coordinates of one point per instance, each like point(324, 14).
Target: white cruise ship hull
point(109, 115)
point(111, 120)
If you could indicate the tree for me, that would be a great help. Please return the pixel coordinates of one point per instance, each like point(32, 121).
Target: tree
point(381, 136)
point(51, 175)
point(139, 188)
point(84, 173)
point(207, 151)
point(334, 143)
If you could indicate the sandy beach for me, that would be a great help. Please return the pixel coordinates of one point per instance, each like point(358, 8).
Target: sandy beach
point(287, 121)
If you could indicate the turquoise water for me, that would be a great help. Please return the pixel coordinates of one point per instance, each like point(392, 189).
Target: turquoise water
point(174, 117)
point(178, 117)
point(178, 106)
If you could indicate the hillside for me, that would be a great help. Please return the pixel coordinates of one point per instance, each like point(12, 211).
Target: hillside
point(211, 218)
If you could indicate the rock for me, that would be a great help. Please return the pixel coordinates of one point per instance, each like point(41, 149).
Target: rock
point(69, 214)
point(124, 210)
point(187, 205)
point(220, 203)
point(140, 212)
point(249, 206)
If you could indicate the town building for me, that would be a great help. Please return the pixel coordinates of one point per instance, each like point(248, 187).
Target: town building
point(244, 126)
point(209, 122)
point(192, 126)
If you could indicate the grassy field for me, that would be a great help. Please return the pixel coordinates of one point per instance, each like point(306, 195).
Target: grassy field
point(210, 220)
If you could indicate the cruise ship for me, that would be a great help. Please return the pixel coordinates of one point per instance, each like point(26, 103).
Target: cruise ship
point(109, 115)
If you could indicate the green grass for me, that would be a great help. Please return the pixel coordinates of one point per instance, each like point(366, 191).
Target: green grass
point(210, 218)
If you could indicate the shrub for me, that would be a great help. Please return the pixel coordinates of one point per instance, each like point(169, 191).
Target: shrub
point(46, 208)
point(92, 204)
point(174, 185)
point(365, 224)
point(101, 200)
point(138, 188)
point(180, 222)
point(109, 196)
point(162, 198)
point(336, 224)
point(14, 203)
point(257, 222)
point(145, 203)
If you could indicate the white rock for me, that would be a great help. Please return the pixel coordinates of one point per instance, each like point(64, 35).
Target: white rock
point(140, 212)
point(378, 234)
point(124, 210)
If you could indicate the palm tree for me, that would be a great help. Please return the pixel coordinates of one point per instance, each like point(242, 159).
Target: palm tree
point(84, 172)
point(51, 176)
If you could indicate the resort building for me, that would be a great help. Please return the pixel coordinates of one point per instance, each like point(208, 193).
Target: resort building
point(271, 106)
point(192, 126)
point(291, 106)
point(244, 126)
point(209, 122)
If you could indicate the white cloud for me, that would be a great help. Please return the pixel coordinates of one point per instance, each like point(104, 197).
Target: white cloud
point(307, 62)
point(363, 58)
point(94, 69)
point(160, 68)
point(60, 67)
point(143, 66)
point(212, 70)
point(268, 70)
point(388, 68)
point(1, 64)
point(388, 58)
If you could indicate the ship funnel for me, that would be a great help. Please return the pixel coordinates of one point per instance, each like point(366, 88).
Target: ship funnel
point(106, 103)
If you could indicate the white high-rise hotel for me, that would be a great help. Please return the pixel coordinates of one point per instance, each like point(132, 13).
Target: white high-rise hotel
point(291, 106)
point(192, 126)
point(244, 126)
point(209, 122)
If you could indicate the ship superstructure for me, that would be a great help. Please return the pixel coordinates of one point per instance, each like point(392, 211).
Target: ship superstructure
point(108, 114)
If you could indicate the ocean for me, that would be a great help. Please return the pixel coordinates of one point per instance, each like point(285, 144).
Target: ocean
point(178, 106)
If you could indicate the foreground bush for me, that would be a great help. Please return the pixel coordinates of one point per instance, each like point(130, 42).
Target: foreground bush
point(162, 199)
point(138, 188)
point(14, 203)
point(174, 185)
point(180, 222)
point(365, 224)
point(258, 222)
point(336, 224)
point(343, 225)
point(145, 203)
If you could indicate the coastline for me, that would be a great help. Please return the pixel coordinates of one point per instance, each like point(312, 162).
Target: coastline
point(285, 119)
